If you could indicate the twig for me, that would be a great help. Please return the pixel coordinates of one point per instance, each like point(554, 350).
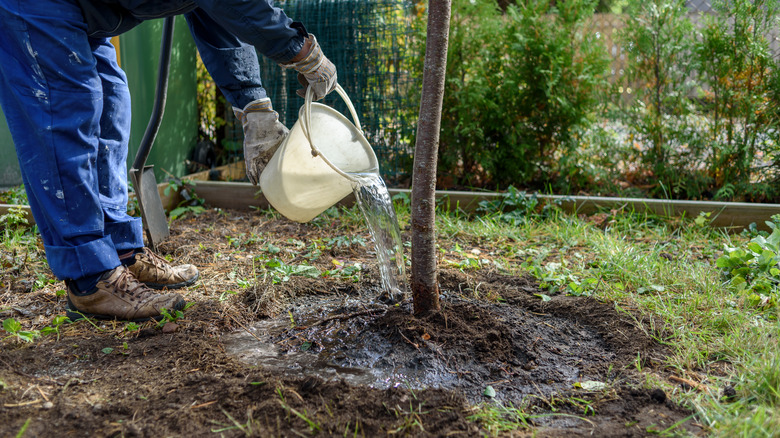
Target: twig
point(695, 385)
point(203, 405)
point(17, 405)
point(407, 340)
point(245, 329)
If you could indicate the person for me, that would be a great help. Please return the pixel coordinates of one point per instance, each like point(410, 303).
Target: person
point(67, 105)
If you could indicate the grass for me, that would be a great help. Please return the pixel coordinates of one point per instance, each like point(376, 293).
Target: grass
point(660, 270)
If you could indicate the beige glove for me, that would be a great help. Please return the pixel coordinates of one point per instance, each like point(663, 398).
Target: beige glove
point(263, 134)
point(315, 70)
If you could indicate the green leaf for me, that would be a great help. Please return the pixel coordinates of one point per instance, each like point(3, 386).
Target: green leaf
point(774, 239)
point(739, 283)
point(11, 326)
point(176, 212)
point(275, 263)
point(107, 350)
point(755, 246)
point(27, 336)
point(723, 262)
point(305, 271)
point(59, 320)
point(489, 392)
point(543, 297)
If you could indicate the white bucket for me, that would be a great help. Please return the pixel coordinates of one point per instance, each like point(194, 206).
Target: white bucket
point(310, 171)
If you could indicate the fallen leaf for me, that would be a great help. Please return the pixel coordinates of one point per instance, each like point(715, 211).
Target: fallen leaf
point(170, 327)
point(591, 385)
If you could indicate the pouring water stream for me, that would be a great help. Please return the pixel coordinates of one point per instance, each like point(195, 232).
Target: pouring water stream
point(377, 207)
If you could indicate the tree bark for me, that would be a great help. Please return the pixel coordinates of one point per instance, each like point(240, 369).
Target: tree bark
point(425, 288)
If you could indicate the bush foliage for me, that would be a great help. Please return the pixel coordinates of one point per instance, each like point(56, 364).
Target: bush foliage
point(526, 81)
point(520, 83)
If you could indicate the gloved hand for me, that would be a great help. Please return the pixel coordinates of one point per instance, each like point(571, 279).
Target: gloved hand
point(263, 134)
point(315, 70)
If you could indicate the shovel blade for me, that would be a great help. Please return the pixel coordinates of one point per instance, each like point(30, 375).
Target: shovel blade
point(150, 204)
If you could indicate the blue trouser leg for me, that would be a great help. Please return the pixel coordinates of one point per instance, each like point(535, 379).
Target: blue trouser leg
point(67, 107)
point(126, 232)
point(232, 64)
point(259, 23)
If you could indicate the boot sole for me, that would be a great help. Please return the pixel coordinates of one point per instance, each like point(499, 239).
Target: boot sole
point(75, 315)
point(157, 286)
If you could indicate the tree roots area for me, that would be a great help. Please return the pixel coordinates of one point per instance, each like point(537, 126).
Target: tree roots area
point(286, 337)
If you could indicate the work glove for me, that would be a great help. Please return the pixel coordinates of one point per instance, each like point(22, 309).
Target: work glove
point(263, 134)
point(315, 71)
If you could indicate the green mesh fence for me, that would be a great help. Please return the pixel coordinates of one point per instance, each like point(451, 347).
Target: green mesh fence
point(368, 41)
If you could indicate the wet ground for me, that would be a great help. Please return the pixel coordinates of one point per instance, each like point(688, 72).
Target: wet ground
point(318, 356)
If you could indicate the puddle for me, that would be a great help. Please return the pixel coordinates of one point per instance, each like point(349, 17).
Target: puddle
point(467, 347)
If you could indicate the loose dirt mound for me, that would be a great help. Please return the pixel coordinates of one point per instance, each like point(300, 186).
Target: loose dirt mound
point(188, 380)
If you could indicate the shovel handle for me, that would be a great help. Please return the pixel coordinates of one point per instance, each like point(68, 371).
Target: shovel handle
point(160, 94)
point(307, 126)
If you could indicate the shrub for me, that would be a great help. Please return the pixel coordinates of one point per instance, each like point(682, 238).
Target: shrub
point(740, 89)
point(559, 72)
point(658, 43)
point(519, 86)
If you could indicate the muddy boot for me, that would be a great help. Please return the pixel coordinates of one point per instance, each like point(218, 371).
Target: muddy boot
point(119, 295)
point(155, 272)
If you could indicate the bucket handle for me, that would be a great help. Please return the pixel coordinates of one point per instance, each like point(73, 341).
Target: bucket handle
point(307, 127)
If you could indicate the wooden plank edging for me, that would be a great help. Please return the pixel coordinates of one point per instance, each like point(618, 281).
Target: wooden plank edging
point(734, 215)
point(737, 215)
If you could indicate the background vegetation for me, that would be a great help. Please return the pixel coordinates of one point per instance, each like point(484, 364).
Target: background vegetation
point(612, 97)
point(529, 100)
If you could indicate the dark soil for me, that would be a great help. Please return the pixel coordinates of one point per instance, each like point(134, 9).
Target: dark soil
point(342, 363)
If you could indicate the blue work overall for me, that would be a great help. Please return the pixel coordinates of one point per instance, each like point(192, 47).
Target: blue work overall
point(68, 109)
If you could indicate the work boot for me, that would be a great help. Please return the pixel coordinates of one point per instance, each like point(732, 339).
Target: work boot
point(153, 271)
point(119, 295)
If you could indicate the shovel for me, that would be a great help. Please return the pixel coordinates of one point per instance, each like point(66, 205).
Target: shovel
point(144, 181)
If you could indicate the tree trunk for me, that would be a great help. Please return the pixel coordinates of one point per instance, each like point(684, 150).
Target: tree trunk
point(425, 289)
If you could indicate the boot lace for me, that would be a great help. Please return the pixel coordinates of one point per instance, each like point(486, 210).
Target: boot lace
point(127, 284)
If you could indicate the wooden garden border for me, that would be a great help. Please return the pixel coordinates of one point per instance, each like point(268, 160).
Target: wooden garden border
point(730, 215)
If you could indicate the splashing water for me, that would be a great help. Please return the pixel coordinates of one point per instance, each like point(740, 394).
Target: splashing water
point(377, 207)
